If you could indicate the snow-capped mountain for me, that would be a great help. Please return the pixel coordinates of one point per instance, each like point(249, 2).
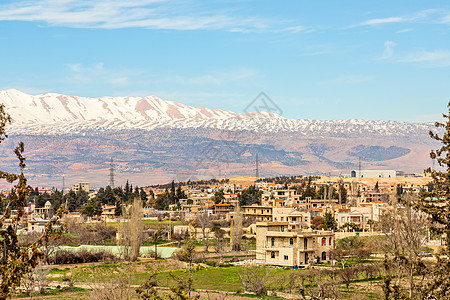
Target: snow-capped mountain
point(58, 114)
point(154, 141)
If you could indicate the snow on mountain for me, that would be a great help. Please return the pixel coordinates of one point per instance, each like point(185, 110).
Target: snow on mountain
point(58, 114)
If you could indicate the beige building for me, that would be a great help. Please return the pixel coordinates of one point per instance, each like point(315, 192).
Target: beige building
point(276, 245)
point(37, 224)
point(82, 186)
point(296, 219)
point(360, 215)
point(108, 213)
point(260, 212)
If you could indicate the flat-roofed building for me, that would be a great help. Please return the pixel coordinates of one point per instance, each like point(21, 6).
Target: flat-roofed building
point(277, 245)
point(81, 186)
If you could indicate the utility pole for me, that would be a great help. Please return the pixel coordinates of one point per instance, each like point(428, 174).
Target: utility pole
point(257, 166)
point(111, 174)
point(359, 166)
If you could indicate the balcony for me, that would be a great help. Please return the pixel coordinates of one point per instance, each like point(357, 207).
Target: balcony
point(302, 250)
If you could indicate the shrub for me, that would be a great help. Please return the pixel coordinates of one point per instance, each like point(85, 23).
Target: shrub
point(62, 257)
point(151, 254)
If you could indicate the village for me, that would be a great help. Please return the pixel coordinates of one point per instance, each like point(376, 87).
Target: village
point(294, 224)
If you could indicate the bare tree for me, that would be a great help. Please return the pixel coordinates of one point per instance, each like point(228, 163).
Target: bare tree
point(219, 234)
point(183, 288)
point(36, 280)
point(204, 221)
point(255, 279)
point(131, 230)
point(156, 236)
point(405, 231)
point(348, 275)
point(236, 229)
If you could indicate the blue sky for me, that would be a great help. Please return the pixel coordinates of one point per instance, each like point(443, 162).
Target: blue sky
point(387, 60)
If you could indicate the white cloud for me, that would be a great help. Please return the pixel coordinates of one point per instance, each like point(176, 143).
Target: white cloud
point(388, 50)
point(382, 21)
point(439, 58)
point(98, 74)
point(404, 30)
point(427, 16)
point(295, 29)
point(151, 14)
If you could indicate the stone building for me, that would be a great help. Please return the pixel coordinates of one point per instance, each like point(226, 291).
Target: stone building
point(277, 245)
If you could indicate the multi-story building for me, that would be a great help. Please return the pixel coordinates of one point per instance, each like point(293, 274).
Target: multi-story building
point(108, 213)
point(81, 186)
point(359, 215)
point(260, 212)
point(296, 219)
point(276, 245)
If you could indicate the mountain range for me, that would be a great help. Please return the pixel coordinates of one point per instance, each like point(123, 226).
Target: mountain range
point(153, 140)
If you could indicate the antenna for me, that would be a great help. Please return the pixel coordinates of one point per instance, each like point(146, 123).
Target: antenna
point(359, 167)
point(111, 174)
point(257, 166)
point(64, 185)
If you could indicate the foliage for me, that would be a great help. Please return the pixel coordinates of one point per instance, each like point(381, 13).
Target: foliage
point(148, 290)
point(329, 222)
point(436, 204)
point(317, 222)
point(93, 208)
point(218, 197)
point(350, 243)
point(306, 191)
point(18, 260)
point(249, 196)
point(351, 226)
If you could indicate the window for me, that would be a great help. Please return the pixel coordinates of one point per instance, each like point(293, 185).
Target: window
point(305, 243)
point(324, 255)
point(273, 242)
point(343, 219)
point(286, 257)
point(272, 254)
point(329, 241)
point(294, 219)
point(291, 241)
point(324, 241)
